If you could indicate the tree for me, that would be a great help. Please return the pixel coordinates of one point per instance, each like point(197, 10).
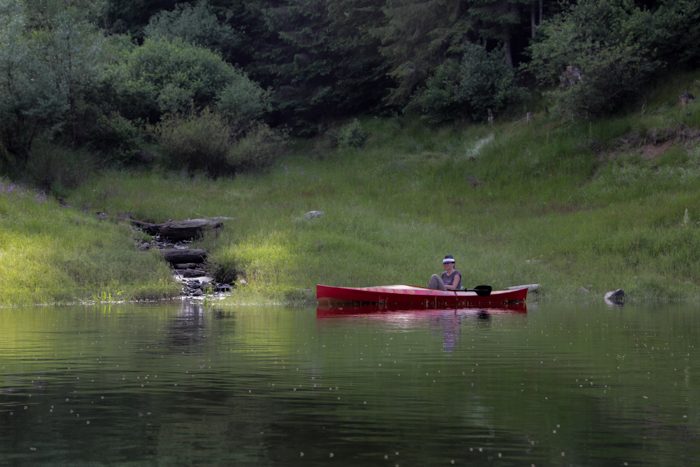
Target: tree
point(468, 87)
point(46, 72)
point(595, 53)
point(171, 76)
point(415, 38)
point(197, 25)
point(318, 60)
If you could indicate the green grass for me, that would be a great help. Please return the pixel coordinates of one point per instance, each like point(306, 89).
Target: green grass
point(50, 254)
point(566, 206)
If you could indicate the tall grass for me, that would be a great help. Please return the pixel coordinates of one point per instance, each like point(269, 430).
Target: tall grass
point(52, 254)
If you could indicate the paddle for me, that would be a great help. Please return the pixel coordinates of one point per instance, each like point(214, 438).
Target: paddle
point(481, 290)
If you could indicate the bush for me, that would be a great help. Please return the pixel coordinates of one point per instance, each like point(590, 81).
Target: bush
point(197, 142)
point(173, 76)
point(467, 88)
point(57, 169)
point(116, 136)
point(352, 135)
point(257, 150)
point(196, 24)
point(242, 102)
point(595, 56)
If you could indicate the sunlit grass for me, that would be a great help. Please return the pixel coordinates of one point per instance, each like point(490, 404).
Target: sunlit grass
point(51, 254)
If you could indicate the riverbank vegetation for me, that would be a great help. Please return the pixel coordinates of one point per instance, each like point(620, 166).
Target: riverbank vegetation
point(536, 141)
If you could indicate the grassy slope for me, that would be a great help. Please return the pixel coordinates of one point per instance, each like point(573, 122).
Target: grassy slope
point(564, 206)
point(52, 254)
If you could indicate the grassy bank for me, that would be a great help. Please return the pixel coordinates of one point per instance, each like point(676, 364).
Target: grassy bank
point(51, 254)
point(615, 203)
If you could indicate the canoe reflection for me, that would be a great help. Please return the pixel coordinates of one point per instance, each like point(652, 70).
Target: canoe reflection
point(448, 323)
point(382, 313)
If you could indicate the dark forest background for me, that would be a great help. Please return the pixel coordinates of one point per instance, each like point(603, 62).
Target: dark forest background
point(218, 86)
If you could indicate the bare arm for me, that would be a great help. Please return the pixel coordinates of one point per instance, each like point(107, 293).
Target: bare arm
point(455, 282)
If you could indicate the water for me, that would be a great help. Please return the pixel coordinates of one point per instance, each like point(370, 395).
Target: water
point(172, 385)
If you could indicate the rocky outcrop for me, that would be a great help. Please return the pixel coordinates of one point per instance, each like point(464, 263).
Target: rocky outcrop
point(176, 231)
point(189, 265)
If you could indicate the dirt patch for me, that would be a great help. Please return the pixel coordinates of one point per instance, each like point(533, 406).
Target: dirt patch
point(652, 143)
point(652, 151)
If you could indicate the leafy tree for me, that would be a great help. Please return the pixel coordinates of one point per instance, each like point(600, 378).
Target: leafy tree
point(197, 25)
point(594, 51)
point(47, 72)
point(467, 88)
point(172, 76)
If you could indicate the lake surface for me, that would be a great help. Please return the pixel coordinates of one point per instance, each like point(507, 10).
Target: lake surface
point(179, 385)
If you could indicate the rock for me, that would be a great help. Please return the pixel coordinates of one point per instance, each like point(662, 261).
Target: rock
point(225, 288)
point(191, 272)
point(615, 297)
point(313, 215)
point(174, 255)
point(185, 265)
point(143, 246)
point(176, 231)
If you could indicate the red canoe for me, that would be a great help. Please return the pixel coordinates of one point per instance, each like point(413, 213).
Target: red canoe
point(406, 297)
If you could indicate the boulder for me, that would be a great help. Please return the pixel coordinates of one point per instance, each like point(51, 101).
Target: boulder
point(615, 297)
point(191, 272)
point(176, 231)
point(313, 215)
point(175, 255)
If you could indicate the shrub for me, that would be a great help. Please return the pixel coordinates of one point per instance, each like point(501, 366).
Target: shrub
point(467, 87)
point(242, 102)
point(197, 142)
point(116, 136)
point(258, 149)
point(57, 169)
point(172, 76)
point(196, 24)
point(352, 135)
point(594, 57)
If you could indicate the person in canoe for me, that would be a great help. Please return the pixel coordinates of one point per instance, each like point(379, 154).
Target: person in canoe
point(450, 279)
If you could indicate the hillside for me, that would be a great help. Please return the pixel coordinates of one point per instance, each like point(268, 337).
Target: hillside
point(579, 208)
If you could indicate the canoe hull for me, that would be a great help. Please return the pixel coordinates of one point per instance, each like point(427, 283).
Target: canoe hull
point(403, 297)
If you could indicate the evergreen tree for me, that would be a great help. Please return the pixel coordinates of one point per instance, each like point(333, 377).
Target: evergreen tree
point(415, 38)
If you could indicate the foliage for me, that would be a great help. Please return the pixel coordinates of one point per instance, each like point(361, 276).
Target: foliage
point(675, 33)
point(479, 82)
point(58, 169)
point(415, 37)
point(319, 61)
point(594, 52)
point(196, 24)
point(352, 135)
point(196, 142)
point(242, 103)
point(173, 76)
point(258, 149)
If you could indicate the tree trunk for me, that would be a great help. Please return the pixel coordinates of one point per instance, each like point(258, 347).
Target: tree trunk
point(508, 48)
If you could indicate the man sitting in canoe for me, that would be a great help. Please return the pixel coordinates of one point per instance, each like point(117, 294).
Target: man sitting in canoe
point(450, 279)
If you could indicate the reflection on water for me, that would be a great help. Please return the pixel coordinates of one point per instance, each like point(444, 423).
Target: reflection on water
point(195, 385)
